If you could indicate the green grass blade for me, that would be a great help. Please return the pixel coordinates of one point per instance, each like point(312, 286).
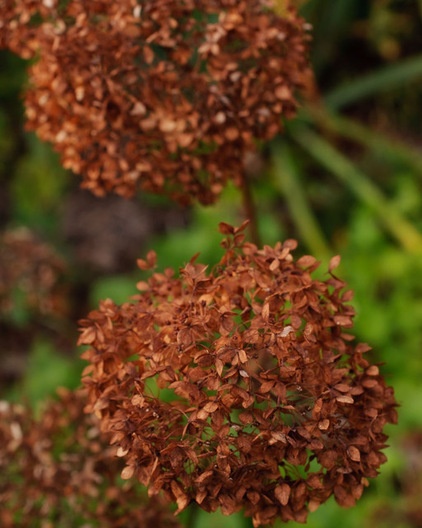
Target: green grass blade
point(391, 148)
point(286, 178)
point(341, 167)
point(383, 80)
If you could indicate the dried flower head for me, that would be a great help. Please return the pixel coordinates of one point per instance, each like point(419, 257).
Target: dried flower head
point(239, 387)
point(165, 95)
point(59, 470)
point(31, 276)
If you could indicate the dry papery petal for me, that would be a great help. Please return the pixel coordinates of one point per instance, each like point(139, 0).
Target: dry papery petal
point(239, 386)
point(164, 96)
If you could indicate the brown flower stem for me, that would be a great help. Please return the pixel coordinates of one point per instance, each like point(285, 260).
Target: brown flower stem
point(250, 209)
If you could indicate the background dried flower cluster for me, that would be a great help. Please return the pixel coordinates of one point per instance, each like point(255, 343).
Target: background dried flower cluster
point(166, 95)
point(58, 468)
point(31, 276)
point(240, 387)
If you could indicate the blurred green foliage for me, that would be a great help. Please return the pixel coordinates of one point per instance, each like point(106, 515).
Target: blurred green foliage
point(345, 179)
point(45, 371)
point(37, 188)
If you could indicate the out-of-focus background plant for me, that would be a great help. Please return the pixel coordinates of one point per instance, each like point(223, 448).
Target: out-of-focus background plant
point(344, 178)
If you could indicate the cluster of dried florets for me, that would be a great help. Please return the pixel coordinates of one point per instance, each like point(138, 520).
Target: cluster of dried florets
point(239, 387)
point(31, 276)
point(165, 95)
point(59, 471)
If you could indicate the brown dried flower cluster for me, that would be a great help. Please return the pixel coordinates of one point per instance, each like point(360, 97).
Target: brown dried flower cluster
point(59, 471)
point(31, 276)
point(159, 94)
point(240, 387)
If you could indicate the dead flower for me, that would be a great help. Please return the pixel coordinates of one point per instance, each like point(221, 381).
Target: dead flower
point(59, 469)
point(240, 386)
point(163, 95)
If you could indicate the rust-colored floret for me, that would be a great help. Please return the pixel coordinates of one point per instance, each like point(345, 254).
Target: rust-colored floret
point(164, 95)
point(59, 470)
point(240, 387)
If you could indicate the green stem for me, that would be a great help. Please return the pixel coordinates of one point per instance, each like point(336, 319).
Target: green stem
point(341, 167)
point(287, 182)
point(247, 522)
point(192, 515)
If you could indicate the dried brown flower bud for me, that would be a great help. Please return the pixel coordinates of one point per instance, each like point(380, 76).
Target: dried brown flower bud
point(168, 95)
point(59, 470)
point(240, 387)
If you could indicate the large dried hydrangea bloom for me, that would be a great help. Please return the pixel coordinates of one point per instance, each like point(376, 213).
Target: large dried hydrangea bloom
point(240, 387)
point(165, 95)
point(59, 471)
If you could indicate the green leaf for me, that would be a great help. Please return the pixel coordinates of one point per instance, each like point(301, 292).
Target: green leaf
point(287, 179)
point(348, 173)
point(391, 148)
point(48, 369)
point(383, 80)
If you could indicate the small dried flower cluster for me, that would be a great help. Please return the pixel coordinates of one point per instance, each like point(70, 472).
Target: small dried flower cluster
point(239, 387)
point(59, 470)
point(31, 275)
point(163, 95)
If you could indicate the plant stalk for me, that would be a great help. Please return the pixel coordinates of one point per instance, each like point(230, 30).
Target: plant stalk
point(250, 209)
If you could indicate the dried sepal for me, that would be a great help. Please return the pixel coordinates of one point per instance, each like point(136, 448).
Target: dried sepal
point(334, 263)
point(149, 262)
